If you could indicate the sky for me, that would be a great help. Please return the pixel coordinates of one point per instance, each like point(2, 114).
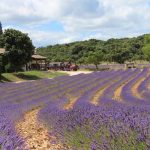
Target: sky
point(50, 22)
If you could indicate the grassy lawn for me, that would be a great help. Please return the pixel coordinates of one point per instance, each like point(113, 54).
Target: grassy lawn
point(29, 75)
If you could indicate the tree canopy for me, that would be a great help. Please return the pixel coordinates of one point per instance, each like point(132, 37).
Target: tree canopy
point(1, 30)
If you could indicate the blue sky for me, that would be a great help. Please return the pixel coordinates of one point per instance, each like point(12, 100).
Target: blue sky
point(61, 21)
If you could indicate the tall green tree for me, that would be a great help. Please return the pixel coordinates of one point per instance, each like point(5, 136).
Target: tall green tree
point(1, 45)
point(1, 38)
point(146, 47)
point(19, 49)
point(95, 58)
point(0, 66)
point(1, 30)
point(146, 51)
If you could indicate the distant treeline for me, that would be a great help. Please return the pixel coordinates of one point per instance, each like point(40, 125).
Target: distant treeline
point(112, 50)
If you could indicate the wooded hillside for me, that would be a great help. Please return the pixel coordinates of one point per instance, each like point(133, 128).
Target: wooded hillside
point(113, 50)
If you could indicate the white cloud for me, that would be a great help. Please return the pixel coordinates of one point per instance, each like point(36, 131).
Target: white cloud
point(80, 18)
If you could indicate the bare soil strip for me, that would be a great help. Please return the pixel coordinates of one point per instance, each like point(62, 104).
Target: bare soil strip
point(148, 86)
point(118, 91)
point(134, 88)
point(36, 134)
point(96, 98)
point(71, 102)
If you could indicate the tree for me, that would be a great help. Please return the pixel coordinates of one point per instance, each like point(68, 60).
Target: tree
point(146, 51)
point(19, 49)
point(146, 47)
point(1, 30)
point(95, 58)
point(1, 38)
point(0, 66)
point(120, 56)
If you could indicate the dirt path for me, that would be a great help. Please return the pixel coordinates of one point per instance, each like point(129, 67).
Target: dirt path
point(117, 94)
point(148, 86)
point(118, 91)
point(96, 98)
point(134, 88)
point(72, 100)
point(99, 93)
point(36, 134)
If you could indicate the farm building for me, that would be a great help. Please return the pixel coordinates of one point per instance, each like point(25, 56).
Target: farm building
point(2, 51)
point(38, 62)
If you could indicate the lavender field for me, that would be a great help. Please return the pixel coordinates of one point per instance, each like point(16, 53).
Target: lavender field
point(107, 110)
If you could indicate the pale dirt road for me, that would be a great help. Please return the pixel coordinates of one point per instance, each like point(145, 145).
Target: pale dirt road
point(72, 73)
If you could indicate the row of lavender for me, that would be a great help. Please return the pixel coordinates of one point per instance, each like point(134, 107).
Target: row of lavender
point(82, 127)
point(112, 124)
